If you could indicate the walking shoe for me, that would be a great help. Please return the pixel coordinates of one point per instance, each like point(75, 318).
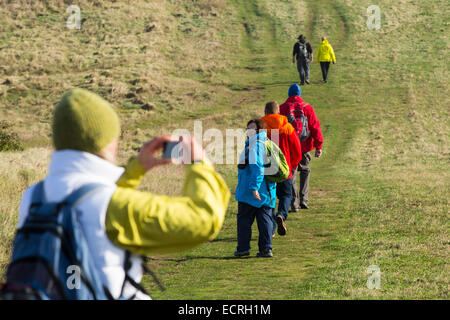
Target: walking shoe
point(281, 226)
point(241, 253)
point(294, 210)
point(307, 81)
point(302, 83)
point(303, 205)
point(265, 253)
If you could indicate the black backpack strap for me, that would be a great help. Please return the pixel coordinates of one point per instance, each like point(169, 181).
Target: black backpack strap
point(150, 272)
point(246, 161)
point(268, 190)
point(108, 293)
point(127, 267)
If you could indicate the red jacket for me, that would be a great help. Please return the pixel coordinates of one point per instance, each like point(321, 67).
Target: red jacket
point(315, 139)
point(288, 140)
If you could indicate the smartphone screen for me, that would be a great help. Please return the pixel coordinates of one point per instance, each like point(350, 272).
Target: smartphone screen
point(172, 150)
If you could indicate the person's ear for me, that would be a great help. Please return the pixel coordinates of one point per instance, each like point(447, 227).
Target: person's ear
point(109, 152)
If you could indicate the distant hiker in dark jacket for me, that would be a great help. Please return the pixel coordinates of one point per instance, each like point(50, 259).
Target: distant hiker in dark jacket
point(303, 54)
point(280, 131)
point(293, 109)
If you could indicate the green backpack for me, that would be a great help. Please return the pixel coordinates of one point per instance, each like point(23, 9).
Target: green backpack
point(276, 168)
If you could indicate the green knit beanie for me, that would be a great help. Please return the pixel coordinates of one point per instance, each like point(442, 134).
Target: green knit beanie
point(84, 121)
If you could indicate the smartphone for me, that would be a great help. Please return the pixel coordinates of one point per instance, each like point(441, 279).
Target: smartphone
point(172, 150)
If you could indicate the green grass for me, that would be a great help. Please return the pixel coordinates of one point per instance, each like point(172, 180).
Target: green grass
point(379, 194)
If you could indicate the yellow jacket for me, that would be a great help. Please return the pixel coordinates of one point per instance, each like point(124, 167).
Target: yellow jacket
point(145, 223)
point(325, 52)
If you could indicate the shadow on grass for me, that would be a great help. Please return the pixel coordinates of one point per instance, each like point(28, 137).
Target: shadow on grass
point(262, 87)
point(188, 258)
point(276, 84)
point(218, 258)
point(231, 239)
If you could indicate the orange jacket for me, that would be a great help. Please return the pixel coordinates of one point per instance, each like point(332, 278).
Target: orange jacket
point(280, 131)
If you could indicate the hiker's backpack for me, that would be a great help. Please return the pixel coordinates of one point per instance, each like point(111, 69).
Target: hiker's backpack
point(276, 168)
point(50, 258)
point(302, 51)
point(298, 119)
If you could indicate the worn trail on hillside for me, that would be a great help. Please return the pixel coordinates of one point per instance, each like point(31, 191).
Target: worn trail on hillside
point(301, 250)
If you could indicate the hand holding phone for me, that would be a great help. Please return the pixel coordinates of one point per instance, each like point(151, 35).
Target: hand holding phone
point(146, 156)
point(182, 149)
point(173, 150)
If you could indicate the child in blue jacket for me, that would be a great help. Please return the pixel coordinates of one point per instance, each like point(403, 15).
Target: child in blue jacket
point(255, 194)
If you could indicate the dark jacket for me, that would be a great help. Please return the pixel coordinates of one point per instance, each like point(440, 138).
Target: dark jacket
point(296, 50)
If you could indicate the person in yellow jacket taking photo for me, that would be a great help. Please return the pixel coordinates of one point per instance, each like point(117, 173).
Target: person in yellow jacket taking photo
point(119, 222)
point(325, 55)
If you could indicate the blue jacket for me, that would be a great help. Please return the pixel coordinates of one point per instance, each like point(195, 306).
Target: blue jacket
point(252, 176)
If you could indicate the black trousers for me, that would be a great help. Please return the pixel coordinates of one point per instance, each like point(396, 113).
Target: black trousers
point(325, 66)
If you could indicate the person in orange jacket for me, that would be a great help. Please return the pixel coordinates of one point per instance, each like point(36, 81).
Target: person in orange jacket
point(280, 131)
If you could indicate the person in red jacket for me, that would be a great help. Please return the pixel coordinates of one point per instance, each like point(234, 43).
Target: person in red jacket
point(298, 113)
point(280, 131)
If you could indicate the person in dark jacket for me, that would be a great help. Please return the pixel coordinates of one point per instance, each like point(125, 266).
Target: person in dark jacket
point(303, 54)
point(293, 109)
point(280, 131)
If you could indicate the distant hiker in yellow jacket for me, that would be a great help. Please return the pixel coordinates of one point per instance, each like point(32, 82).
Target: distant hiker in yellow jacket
point(325, 55)
point(121, 223)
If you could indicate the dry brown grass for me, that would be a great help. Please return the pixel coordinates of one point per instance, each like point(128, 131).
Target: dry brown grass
point(132, 55)
point(18, 170)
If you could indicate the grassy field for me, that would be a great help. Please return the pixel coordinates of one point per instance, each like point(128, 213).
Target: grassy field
point(379, 194)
